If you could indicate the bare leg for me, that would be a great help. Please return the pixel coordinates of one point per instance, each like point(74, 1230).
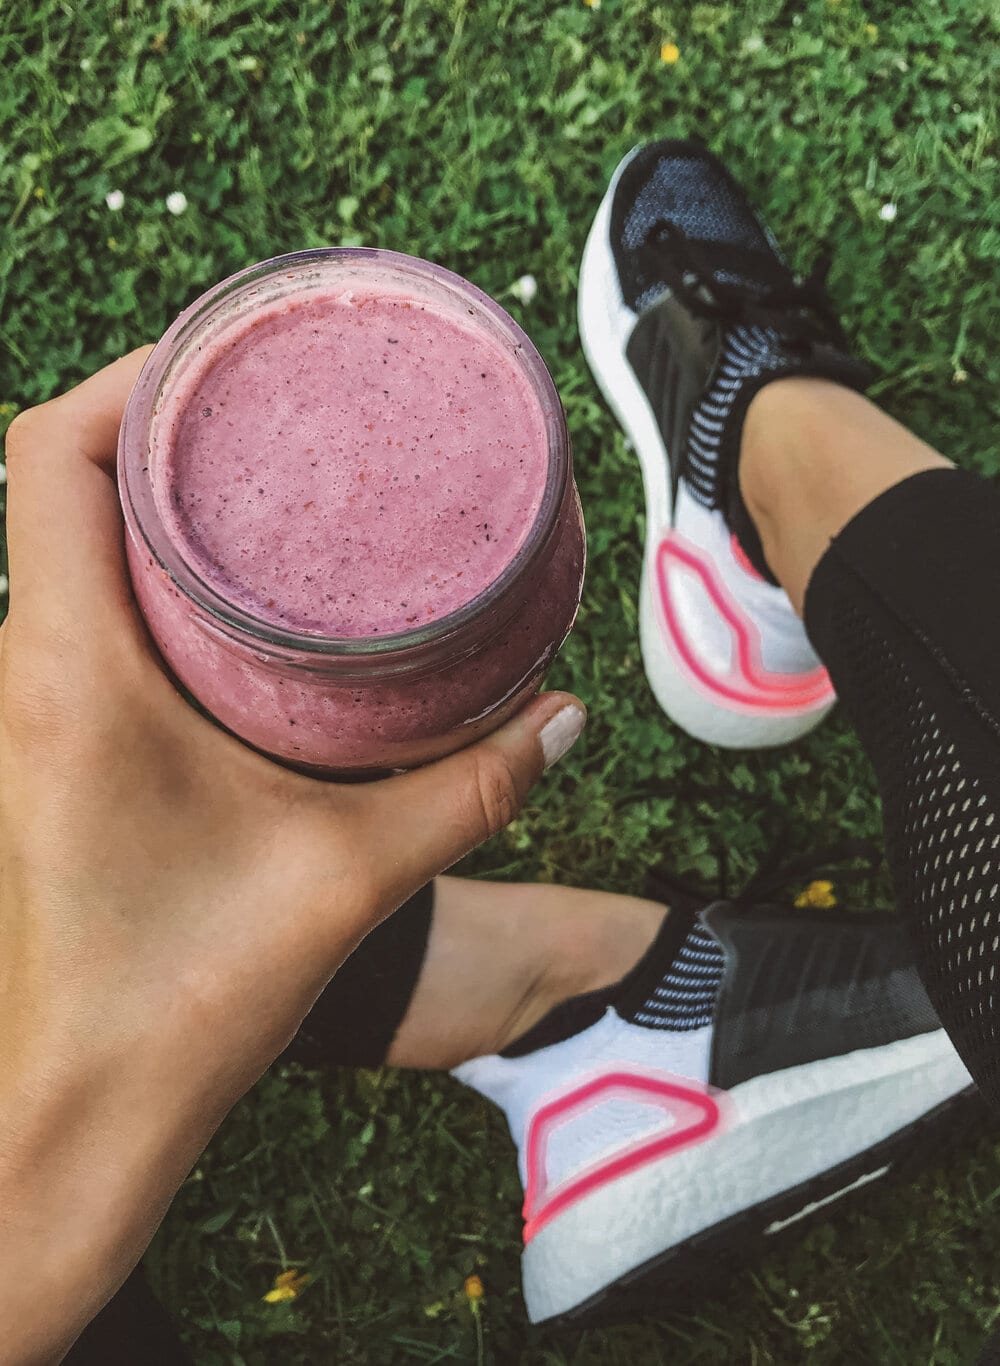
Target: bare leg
point(814, 454)
point(501, 955)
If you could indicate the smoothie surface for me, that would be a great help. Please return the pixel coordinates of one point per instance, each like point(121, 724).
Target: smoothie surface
point(351, 462)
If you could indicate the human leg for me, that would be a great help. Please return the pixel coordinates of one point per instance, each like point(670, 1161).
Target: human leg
point(812, 455)
point(893, 555)
point(467, 967)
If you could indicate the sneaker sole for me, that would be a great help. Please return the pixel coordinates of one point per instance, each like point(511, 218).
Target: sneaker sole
point(680, 696)
point(661, 1235)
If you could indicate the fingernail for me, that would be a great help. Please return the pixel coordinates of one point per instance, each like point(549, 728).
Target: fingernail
point(560, 733)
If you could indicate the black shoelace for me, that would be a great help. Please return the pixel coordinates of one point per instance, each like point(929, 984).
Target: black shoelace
point(710, 278)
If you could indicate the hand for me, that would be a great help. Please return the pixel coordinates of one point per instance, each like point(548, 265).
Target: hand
point(171, 903)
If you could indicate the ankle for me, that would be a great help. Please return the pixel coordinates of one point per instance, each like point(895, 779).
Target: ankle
point(812, 455)
point(775, 429)
point(795, 470)
point(611, 941)
point(593, 946)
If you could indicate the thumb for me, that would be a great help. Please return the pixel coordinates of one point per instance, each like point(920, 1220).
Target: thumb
point(438, 813)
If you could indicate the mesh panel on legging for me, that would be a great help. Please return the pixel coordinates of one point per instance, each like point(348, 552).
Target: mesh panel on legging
point(902, 610)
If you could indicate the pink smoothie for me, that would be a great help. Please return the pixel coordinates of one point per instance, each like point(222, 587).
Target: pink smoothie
point(352, 451)
point(352, 463)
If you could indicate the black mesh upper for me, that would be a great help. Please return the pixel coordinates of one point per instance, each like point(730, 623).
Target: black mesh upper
point(902, 611)
point(684, 184)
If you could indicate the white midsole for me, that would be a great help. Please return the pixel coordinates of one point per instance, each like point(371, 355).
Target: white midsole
point(787, 1128)
point(684, 701)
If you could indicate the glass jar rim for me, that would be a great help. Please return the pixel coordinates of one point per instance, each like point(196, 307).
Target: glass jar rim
point(136, 484)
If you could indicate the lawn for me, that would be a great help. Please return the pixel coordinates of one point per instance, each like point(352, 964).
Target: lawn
point(481, 136)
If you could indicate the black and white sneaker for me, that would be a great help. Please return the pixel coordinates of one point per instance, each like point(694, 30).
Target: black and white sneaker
point(686, 308)
point(758, 1064)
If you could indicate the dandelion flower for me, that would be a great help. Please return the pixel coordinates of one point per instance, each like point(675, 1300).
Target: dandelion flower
point(287, 1286)
point(670, 53)
point(817, 894)
point(525, 289)
point(473, 1289)
point(115, 200)
point(888, 212)
point(592, 4)
point(176, 202)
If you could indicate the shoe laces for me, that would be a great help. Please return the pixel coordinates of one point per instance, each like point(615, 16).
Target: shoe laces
point(735, 285)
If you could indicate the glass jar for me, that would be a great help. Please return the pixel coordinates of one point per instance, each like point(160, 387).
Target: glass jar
point(346, 703)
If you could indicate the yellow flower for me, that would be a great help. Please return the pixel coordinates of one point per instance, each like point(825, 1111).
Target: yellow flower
point(474, 1290)
point(871, 31)
point(670, 53)
point(818, 894)
point(39, 192)
point(287, 1286)
point(592, 4)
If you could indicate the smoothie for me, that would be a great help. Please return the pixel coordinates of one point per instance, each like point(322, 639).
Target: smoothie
point(353, 529)
point(352, 463)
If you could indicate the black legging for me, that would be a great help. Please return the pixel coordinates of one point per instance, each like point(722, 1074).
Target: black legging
point(903, 610)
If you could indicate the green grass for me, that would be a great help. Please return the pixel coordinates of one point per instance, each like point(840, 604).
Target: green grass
point(481, 136)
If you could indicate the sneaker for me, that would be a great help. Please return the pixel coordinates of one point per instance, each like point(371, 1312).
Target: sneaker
point(686, 308)
point(757, 1065)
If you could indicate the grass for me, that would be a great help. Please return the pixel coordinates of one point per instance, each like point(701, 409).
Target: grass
point(481, 135)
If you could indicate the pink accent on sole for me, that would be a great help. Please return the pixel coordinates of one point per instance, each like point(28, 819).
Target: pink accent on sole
point(753, 686)
point(669, 1095)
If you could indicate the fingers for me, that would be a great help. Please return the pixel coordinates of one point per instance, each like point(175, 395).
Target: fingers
point(424, 821)
point(89, 416)
point(64, 528)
